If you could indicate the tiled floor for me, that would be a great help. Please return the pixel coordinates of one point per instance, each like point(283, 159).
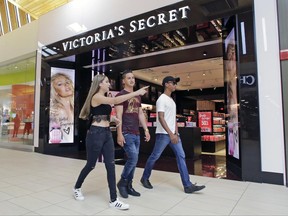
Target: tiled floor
point(37, 184)
point(23, 143)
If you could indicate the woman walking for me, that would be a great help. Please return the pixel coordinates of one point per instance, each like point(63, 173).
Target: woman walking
point(99, 138)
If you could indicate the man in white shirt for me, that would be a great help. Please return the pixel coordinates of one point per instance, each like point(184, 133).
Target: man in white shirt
point(167, 134)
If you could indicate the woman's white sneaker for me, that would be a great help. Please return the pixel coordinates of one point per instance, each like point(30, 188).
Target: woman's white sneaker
point(119, 205)
point(78, 194)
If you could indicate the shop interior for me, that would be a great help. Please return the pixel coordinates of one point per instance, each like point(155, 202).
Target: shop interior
point(201, 87)
point(17, 98)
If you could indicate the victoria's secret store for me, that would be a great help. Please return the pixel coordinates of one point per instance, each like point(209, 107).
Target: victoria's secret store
point(134, 44)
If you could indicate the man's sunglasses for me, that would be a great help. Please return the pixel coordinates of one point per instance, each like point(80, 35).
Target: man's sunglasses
point(173, 82)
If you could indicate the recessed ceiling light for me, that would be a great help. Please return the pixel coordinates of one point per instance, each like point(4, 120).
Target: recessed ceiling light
point(76, 27)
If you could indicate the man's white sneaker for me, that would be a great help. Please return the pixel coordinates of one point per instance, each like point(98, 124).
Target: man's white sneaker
point(78, 194)
point(119, 205)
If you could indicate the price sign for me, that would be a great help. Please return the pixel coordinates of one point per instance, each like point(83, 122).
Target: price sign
point(205, 121)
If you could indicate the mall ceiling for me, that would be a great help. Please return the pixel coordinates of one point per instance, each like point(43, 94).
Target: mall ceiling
point(36, 8)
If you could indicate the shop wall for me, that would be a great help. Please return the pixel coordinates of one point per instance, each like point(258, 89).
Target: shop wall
point(283, 37)
point(91, 14)
point(51, 27)
point(270, 96)
point(19, 44)
point(205, 105)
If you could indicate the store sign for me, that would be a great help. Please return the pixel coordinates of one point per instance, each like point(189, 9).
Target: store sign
point(134, 26)
point(248, 80)
point(205, 121)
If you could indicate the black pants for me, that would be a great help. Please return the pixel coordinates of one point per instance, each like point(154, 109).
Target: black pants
point(99, 141)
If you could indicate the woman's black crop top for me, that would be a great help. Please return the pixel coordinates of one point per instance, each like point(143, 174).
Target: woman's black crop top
point(102, 109)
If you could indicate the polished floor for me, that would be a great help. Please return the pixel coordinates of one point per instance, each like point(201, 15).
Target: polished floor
point(38, 184)
point(21, 142)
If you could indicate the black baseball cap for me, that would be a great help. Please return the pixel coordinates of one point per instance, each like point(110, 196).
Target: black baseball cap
point(170, 79)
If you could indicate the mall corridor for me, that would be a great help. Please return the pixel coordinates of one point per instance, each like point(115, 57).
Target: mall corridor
point(38, 184)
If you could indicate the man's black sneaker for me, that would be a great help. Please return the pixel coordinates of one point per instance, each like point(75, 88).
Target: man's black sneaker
point(193, 188)
point(131, 191)
point(122, 187)
point(146, 183)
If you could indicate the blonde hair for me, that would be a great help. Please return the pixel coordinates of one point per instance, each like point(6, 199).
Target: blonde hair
point(85, 111)
point(55, 97)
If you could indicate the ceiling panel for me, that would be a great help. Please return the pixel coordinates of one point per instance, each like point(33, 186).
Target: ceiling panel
point(207, 73)
point(36, 8)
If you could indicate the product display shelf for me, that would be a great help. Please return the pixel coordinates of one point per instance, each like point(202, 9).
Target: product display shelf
point(214, 140)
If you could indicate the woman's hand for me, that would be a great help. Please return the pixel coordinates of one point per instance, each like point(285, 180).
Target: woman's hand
point(142, 91)
point(116, 120)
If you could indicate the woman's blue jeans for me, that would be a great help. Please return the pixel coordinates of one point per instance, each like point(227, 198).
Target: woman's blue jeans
point(161, 142)
point(99, 141)
point(131, 148)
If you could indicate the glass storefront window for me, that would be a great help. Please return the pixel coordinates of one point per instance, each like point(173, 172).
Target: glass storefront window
point(17, 81)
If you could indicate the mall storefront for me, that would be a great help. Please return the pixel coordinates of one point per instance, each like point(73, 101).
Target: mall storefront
point(17, 103)
point(81, 56)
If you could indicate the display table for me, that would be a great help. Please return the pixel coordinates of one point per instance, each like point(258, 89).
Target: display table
point(191, 141)
point(7, 128)
point(213, 146)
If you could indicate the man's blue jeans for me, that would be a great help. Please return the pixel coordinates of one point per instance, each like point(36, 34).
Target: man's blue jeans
point(131, 148)
point(161, 142)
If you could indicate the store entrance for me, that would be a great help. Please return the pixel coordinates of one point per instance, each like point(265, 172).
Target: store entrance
point(206, 103)
point(200, 68)
point(199, 37)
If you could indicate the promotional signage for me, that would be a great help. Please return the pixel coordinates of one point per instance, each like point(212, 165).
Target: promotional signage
point(153, 21)
point(61, 122)
point(230, 71)
point(205, 121)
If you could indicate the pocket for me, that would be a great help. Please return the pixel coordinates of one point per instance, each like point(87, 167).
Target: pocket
point(125, 134)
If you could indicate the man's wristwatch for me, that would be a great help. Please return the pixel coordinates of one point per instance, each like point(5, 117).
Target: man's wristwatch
point(146, 130)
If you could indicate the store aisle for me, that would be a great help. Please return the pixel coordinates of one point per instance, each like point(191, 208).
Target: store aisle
point(37, 184)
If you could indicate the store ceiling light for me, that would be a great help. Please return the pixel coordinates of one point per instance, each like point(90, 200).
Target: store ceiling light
point(77, 28)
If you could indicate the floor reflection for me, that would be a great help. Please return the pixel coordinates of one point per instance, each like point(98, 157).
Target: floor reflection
point(23, 143)
point(208, 164)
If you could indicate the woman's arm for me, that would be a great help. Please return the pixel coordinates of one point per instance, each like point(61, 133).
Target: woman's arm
point(98, 99)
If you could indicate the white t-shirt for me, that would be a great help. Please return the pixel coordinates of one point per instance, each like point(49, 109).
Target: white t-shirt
point(167, 105)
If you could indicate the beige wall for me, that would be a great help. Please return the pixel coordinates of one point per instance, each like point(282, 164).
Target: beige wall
point(205, 105)
point(19, 44)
